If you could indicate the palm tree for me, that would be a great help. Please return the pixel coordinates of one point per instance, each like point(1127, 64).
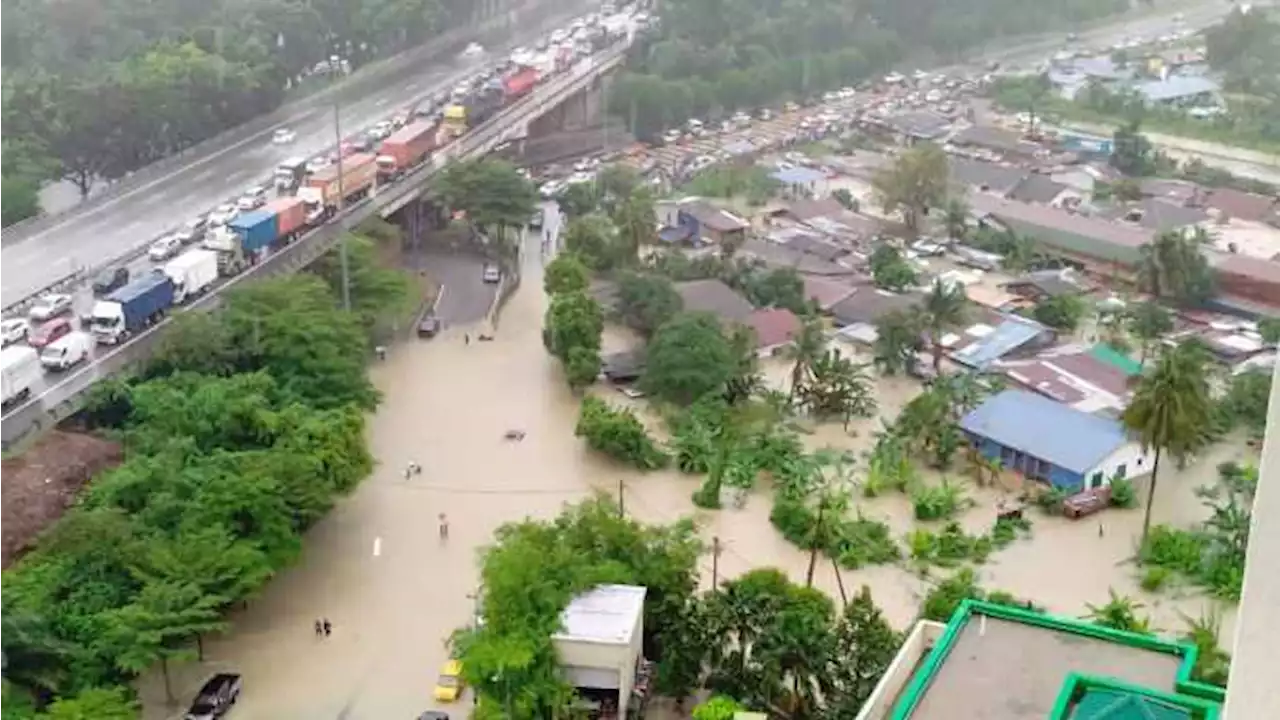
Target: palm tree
point(808, 345)
point(1119, 613)
point(942, 309)
point(1149, 322)
point(1170, 409)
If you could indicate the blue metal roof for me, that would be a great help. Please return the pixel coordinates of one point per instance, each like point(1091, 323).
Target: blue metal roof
point(1177, 86)
point(1068, 438)
point(798, 176)
point(1008, 336)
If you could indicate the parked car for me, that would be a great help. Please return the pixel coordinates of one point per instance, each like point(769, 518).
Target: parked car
point(491, 273)
point(14, 330)
point(429, 326)
point(109, 279)
point(164, 248)
point(217, 696)
point(50, 306)
point(49, 332)
point(449, 685)
point(283, 136)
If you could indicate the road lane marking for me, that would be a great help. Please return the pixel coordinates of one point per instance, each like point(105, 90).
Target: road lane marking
point(377, 546)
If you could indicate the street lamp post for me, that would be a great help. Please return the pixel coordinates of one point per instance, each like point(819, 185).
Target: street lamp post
point(342, 196)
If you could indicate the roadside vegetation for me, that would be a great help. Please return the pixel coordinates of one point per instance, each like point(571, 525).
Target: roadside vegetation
point(95, 91)
point(239, 436)
point(706, 61)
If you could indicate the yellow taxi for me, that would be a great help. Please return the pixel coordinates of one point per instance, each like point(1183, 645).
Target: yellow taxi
point(449, 685)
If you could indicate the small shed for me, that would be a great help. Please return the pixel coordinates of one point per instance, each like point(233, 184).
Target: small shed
point(1046, 440)
point(600, 643)
point(802, 182)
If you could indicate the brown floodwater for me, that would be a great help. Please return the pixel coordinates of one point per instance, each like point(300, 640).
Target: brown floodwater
point(394, 591)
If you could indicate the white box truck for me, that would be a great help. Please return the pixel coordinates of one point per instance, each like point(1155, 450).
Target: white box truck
point(20, 365)
point(67, 351)
point(192, 273)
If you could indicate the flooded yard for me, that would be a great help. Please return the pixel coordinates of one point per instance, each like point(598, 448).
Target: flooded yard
point(377, 568)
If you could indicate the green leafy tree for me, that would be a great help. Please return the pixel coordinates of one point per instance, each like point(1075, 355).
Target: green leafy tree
point(899, 339)
point(915, 182)
point(838, 387)
point(955, 218)
point(593, 238)
point(1269, 328)
point(867, 645)
point(1149, 322)
point(807, 347)
point(646, 301)
point(1169, 412)
point(890, 270)
point(573, 320)
point(1133, 153)
point(94, 704)
point(717, 707)
point(637, 224)
point(379, 295)
point(942, 310)
point(1028, 94)
point(582, 366)
point(565, 274)
point(688, 358)
point(1120, 613)
point(578, 200)
point(779, 287)
point(496, 198)
point(1061, 312)
point(159, 626)
point(1173, 267)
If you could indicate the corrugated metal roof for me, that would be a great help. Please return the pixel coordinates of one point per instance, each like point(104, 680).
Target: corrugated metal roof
point(798, 176)
point(1012, 333)
point(1035, 425)
point(1175, 87)
point(1072, 232)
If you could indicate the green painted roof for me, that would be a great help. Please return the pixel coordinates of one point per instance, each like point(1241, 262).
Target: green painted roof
point(1107, 704)
point(1110, 356)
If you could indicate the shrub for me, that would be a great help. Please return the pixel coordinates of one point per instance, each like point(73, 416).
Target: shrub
point(936, 502)
point(1006, 530)
point(618, 433)
point(862, 542)
point(1155, 578)
point(1123, 494)
point(1050, 500)
point(948, 548)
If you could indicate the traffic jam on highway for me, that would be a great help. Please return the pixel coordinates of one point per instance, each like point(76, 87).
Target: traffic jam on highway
point(302, 194)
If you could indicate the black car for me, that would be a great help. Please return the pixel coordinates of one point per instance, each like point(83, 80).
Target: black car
point(215, 698)
point(434, 715)
point(429, 326)
point(110, 279)
point(535, 220)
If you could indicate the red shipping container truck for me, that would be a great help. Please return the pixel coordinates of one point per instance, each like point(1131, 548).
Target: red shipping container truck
point(519, 83)
point(407, 146)
point(291, 215)
point(358, 174)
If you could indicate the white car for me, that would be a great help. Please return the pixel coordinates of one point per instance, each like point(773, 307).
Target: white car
point(223, 214)
point(381, 130)
point(551, 188)
point(14, 330)
point(50, 306)
point(473, 50)
point(192, 230)
point(283, 136)
point(491, 273)
point(164, 248)
point(252, 199)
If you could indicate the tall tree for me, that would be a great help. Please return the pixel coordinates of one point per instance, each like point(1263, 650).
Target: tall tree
point(806, 348)
point(646, 301)
point(890, 270)
point(1149, 322)
point(898, 341)
point(160, 626)
point(593, 238)
point(495, 197)
point(837, 387)
point(956, 218)
point(1173, 267)
point(943, 309)
point(915, 182)
point(689, 358)
point(1170, 410)
point(565, 274)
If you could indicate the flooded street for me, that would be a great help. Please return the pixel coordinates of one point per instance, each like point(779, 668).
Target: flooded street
point(394, 590)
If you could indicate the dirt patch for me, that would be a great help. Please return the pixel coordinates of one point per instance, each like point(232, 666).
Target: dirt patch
point(41, 483)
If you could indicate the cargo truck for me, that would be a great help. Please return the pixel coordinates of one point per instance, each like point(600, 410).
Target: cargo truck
point(519, 83)
point(20, 370)
point(291, 218)
point(192, 273)
point(454, 124)
point(132, 308)
point(359, 174)
point(407, 147)
point(289, 174)
point(241, 242)
point(483, 104)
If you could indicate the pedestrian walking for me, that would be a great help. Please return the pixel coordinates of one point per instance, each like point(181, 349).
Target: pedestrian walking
point(466, 338)
point(328, 627)
point(444, 527)
point(415, 468)
point(319, 628)
point(381, 352)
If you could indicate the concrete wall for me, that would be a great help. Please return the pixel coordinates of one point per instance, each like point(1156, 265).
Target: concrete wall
point(915, 648)
point(1129, 458)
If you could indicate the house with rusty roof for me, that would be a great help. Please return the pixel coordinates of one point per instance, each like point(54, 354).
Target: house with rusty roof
point(1086, 239)
point(1089, 379)
point(774, 329)
point(715, 297)
point(1237, 204)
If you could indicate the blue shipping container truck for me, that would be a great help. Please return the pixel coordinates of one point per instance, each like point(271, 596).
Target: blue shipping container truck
point(143, 299)
point(257, 230)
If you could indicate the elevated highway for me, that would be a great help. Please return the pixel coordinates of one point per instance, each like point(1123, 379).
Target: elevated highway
point(63, 398)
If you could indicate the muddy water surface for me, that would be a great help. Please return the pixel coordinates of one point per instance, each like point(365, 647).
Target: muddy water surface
point(377, 568)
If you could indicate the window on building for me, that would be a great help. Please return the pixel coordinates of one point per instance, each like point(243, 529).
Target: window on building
point(1122, 471)
point(1096, 480)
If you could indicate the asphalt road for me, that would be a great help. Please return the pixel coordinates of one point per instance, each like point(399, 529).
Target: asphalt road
point(464, 296)
point(110, 229)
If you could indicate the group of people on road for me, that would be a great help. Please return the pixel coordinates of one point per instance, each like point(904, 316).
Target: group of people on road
point(324, 628)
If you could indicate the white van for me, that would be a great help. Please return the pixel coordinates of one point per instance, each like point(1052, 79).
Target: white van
point(67, 350)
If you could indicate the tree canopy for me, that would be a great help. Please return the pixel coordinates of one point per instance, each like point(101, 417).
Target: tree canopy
point(103, 88)
point(709, 57)
point(689, 357)
point(242, 433)
point(915, 182)
point(492, 193)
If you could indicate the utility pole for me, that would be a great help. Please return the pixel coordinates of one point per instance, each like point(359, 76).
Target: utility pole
point(715, 562)
point(342, 197)
point(622, 497)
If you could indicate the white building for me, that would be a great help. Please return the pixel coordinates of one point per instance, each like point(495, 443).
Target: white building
point(601, 641)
